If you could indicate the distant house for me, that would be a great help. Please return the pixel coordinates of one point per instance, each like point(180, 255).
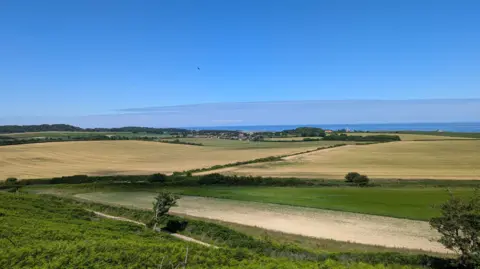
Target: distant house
point(328, 131)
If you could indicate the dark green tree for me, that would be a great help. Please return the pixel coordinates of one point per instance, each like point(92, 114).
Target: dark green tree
point(459, 226)
point(11, 181)
point(162, 204)
point(351, 176)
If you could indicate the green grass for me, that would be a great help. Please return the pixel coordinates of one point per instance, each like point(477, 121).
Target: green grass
point(410, 203)
point(417, 203)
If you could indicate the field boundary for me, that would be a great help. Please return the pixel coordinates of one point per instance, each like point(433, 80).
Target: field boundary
point(259, 160)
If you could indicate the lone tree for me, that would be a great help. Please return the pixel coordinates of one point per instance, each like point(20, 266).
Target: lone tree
point(356, 178)
point(11, 181)
point(351, 176)
point(459, 226)
point(162, 204)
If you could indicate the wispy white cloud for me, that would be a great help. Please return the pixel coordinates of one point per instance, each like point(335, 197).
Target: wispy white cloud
point(278, 113)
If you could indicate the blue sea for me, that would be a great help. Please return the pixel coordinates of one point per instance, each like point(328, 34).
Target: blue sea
point(446, 127)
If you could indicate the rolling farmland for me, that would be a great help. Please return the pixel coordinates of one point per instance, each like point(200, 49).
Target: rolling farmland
point(456, 159)
point(120, 157)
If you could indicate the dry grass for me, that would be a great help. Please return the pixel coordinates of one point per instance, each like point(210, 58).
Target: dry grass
point(117, 157)
point(407, 160)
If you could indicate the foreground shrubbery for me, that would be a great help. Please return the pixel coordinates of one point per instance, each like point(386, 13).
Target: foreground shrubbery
point(459, 226)
point(46, 232)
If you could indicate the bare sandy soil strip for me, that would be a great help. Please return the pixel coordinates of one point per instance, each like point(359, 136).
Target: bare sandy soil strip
point(341, 226)
point(179, 236)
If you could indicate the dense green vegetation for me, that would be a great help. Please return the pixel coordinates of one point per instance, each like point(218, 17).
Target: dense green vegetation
point(6, 129)
point(49, 232)
point(367, 138)
point(39, 128)
point(459, 225)
point(21, 141)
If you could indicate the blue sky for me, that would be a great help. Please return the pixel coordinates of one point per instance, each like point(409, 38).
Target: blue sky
point(103, 62)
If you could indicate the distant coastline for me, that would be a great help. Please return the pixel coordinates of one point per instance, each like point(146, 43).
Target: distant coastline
point(446, 127)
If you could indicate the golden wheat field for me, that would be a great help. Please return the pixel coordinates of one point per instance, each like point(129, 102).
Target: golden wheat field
point(117, 157)
point(454, 159)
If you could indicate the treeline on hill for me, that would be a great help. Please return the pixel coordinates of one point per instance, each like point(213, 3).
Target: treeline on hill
point(6, 129)
point(13, 141)
point(311, 132)
point(376, 138)
point(297, 132)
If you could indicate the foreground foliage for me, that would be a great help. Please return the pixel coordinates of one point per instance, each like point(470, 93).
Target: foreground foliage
point(459, 226)
point(39, 232)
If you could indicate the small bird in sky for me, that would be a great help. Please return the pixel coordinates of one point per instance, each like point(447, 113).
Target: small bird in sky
point(198, 68)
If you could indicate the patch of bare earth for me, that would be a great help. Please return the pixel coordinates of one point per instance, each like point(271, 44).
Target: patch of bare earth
point(341, 226)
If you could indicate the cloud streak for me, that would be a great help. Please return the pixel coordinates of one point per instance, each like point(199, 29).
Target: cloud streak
point(278, 113)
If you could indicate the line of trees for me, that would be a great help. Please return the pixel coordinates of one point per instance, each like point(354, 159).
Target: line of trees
point(6, 129)
point(9, 142)
point(376, 138)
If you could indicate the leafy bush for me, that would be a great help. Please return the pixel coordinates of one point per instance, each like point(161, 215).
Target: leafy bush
point(356, 178)
point(176, 225)
point(10, 181)
point(350, 177)
point(159, 178)
point(459, 226)
point(361, 180)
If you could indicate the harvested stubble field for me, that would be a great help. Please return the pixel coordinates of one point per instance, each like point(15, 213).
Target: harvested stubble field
point(237, 144)
point(449, 159)
point(119, 157)
point(343, 226)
